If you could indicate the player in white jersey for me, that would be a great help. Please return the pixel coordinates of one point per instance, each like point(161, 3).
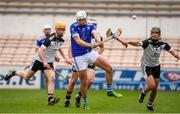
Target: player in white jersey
point(43, 60)
point(150, 63)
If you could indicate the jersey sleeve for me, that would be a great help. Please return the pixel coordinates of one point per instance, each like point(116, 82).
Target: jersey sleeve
point(73, 31)
point(38, 45)
point(47, 42)
point(92, 29)
point(145, 43)
point(167, 47)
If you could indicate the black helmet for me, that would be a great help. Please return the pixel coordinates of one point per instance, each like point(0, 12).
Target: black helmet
point(156, 29)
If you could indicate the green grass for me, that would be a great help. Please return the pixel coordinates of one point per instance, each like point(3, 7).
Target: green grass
point(35, 101)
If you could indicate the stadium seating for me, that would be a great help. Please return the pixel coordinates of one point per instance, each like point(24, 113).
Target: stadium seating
point(19, 51)
point(94, 7)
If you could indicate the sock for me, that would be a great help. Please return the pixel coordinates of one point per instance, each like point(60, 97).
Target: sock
point(143, 91)
point(109, 88)
point(85, 100)
point(78, 95)
point(68, 96)
point(50, 96)
point(149, 103)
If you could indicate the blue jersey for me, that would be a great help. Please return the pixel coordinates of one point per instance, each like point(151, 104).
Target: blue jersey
point(85, 34)
point(40, 41)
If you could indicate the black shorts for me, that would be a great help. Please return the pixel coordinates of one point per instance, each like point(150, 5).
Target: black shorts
point(37, 65)
point(90, 66)
point(154, 71)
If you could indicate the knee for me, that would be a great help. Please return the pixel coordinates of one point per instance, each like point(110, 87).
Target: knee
point(83, 84)
point(73, 82)
point(153, 87)
point(51, 78)
point(89, 82)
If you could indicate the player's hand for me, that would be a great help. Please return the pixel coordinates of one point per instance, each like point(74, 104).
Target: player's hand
point(57, 59)
point(46, 65)
point(94, 45)
point(68, 61)
point(177, 57)
point(125, 43)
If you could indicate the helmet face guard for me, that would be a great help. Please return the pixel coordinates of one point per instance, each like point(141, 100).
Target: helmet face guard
point(80, 15)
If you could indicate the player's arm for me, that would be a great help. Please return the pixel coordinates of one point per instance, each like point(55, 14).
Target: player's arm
point(57, 59)
point(96, 36)
point(101, 47)
point(37, 46)
point(64, 57)
point(69, 52)
point(83, 43)
point(172, 52)
point(41, 51)
point(122, 42)
point(143, 43)
point(168, 48)
point(135, 43)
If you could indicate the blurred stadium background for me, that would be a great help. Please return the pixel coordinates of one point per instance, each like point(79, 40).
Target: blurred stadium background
point(21, 24)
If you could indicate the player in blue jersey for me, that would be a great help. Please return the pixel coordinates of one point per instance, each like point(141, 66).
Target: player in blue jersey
point(74, 76)
point(83, 55)
point(40, 41)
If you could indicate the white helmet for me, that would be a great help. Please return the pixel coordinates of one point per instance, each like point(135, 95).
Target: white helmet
point(92, 21)
point(81, 15)
point(46, 27)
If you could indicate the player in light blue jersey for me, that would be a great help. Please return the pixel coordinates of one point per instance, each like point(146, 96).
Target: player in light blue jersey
point(83, 55)
point(40, 41)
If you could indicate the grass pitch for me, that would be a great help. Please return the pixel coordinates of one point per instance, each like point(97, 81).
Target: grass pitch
point(35, 101)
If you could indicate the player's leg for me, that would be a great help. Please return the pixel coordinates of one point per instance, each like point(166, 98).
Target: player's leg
point(81, 65)
point(45, 80)
point(150, 84)
point(26, 74)
point(70, 88)
point(50, 88)
point(152, 95)
point(90, 75)
point(156, 75)
point(83, 87)
point(90, 78)
point(102, 63)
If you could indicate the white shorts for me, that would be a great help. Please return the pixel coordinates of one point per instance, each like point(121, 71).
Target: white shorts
point(82, 62)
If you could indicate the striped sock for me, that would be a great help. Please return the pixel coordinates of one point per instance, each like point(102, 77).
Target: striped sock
point(78, 95)
point(68, 96)
point(85, 100)
point(149, 103)
point(109, 88)
point(50, 96)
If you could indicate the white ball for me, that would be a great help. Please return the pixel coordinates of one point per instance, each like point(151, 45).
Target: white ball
point(134, 17)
